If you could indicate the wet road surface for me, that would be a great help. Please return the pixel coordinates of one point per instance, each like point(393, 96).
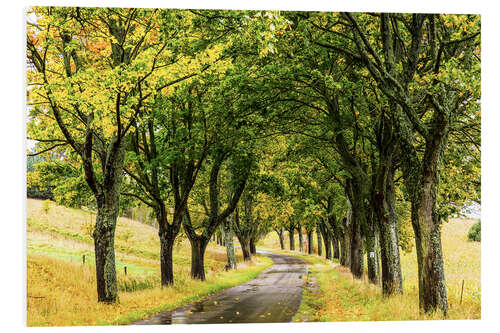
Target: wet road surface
point(272, 297)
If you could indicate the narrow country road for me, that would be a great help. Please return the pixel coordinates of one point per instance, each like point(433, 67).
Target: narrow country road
point(272, 297)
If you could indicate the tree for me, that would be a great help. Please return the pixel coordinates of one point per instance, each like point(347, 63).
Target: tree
point(427, 97)
point(90, 73)
point(240, 168)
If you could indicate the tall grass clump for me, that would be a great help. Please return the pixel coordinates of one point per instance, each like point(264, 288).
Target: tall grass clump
point(474, 234)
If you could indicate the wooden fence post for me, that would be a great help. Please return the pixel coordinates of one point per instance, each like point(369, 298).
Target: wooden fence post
point(462, 292)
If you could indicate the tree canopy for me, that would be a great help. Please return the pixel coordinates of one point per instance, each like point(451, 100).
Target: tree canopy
point(362, 126)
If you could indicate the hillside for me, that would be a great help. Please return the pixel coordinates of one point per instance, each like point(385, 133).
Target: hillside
point(61, 288)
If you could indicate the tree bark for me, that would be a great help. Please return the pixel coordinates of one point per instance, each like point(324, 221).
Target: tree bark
point(372, 253)
point(392, 282)
point(108, 204)
point(427, 228)
point(166, 255)
point(326, 241)
point(335, 248)
point(282, 240)
point(245, 248)
point(301, 240)
point(243, 231)
point(253, 250)
point(320, 248)
point(356, 204)
point(167, 234)
point(198, 247)
point(292, 240)
point(310, 242)
point(228, 234)
point(104, 236)
point(345, 254)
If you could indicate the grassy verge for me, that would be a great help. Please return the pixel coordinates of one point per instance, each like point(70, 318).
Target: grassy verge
point(62, 293)
point(339, 297)
point(62, 290)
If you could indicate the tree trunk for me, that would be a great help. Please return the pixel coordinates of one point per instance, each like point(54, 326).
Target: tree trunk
point(108, 205)
point(292, 240)
point(326, 241)
point(245, 248)
point(392, 282)
point(253, 250)
point(347, 240)
point(421, 181)
point(228, 238)
point(282, 240)
point(346, 247)
point(357, 213)
point(166, 254)
point(343, 249)
point(198, 247)
point(372, 253)
point(335, 248)
point(104, 237)
point(310, 242)
point(320, 248)
point(432, 285)
point(167, 237)
point(356, 251)
point(301, 240)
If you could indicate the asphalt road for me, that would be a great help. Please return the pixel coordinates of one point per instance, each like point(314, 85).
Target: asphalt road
point(272, 297)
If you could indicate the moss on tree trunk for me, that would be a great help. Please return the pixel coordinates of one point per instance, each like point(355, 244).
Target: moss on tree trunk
point(104, 235)
point(228, 234)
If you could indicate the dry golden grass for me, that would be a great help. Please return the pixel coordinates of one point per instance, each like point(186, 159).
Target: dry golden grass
point(342, 298)
point(62, 291)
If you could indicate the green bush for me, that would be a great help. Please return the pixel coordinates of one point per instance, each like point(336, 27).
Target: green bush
point(475, 232)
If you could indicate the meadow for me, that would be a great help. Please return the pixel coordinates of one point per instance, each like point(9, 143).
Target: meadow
point(61, 289)
point(339, 297)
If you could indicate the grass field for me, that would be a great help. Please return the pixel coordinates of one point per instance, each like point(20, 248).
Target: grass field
point(61, 289)
point(342, 298)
